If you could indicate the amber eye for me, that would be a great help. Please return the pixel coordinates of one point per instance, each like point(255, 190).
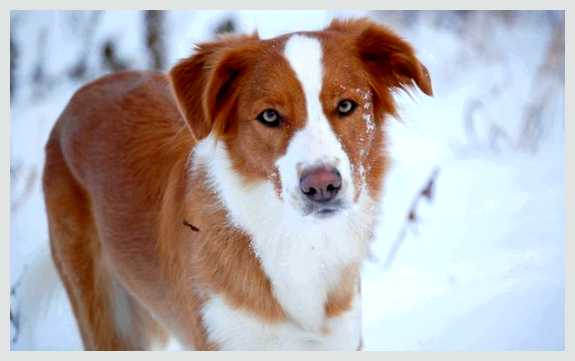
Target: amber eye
point(269, 118)
point(346, 107)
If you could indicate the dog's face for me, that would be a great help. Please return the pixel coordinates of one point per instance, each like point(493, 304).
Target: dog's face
point(304, 111)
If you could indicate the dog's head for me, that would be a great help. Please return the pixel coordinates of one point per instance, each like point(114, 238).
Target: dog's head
point(302, 113)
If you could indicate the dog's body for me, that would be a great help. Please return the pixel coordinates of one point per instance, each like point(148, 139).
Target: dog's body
point(228, 206)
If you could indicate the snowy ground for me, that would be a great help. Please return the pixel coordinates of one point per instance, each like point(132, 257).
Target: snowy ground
point(482, 268)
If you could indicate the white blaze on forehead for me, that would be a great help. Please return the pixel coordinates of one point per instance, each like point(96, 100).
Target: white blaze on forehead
point(304, 54)
point(316, 142)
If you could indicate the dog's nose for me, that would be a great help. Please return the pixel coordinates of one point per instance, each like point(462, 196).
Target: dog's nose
point(320, 184)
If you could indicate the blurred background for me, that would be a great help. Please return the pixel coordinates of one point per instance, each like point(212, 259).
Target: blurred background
point(469, 253)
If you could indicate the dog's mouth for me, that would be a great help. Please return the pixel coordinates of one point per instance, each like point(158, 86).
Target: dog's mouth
point(326, 212)
point(323, 211)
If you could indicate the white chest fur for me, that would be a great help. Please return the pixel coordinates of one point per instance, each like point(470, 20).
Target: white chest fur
point(233, 329)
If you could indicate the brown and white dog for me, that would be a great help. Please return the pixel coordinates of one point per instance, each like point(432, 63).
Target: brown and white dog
point(229, 204)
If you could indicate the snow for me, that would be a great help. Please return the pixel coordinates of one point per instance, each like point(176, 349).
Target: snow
point(482, 268)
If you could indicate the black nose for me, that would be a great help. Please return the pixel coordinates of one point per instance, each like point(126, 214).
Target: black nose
point(320, 184)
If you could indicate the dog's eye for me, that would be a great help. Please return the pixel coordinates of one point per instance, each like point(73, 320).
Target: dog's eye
point(269, 117)
point(346, 107)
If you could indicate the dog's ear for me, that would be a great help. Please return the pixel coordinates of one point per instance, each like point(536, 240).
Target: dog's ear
point(203, 84)
point(390, 60)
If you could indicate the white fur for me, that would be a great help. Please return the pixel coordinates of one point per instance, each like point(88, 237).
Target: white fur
point(303, 256)
point(122, 309)
point(171, 344)
point(237, 330)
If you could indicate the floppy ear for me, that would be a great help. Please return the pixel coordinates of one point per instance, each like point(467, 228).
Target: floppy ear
point(390, 60)
point(220, 94)
point(202, 83)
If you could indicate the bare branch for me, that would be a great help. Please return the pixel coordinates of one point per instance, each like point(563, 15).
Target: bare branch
point(411, 218)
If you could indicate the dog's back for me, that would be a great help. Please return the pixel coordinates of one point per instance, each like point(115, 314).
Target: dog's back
point(100, 186)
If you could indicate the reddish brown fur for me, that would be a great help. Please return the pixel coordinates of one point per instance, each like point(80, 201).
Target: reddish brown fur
point(118, 187)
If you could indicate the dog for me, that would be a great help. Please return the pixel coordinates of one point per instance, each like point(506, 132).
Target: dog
point(228, 204)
